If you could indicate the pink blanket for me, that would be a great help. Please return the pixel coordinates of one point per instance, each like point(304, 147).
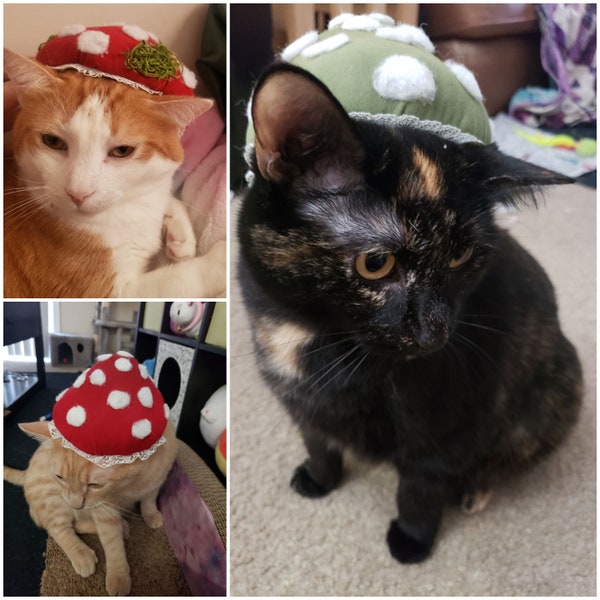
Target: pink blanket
point(202, 179)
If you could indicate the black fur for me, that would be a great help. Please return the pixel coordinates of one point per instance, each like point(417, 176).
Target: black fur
point(454, 369)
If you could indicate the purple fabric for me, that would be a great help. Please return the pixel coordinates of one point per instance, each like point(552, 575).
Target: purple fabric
point(568, 53)
point(192, 533)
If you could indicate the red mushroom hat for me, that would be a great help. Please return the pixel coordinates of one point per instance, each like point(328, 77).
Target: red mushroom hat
point(126, 53)
point(112, 414)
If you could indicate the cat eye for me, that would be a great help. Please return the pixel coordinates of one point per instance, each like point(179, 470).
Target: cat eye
point(458, 262)
point(53, 141)
point(374, 265)
point(122, 151)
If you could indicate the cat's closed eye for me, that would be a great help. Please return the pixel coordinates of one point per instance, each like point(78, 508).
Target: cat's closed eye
point(374, 265)
point(53, 142)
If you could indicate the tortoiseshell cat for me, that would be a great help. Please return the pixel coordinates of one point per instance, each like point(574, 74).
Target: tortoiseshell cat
point(390, 313)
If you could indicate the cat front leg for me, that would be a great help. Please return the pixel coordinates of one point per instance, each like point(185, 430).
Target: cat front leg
point(200, 277)
point(179, 236)
point(150, 511)
point(420, 503)
point(321, 472)
point(82, 557)
point(110, 532)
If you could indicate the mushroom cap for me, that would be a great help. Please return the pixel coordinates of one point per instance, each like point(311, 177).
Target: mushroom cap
point(113, 413)
point(125, 53)
point(386, 71)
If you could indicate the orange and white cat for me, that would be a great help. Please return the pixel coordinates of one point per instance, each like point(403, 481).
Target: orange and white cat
point(68, 494)
point(88, 205)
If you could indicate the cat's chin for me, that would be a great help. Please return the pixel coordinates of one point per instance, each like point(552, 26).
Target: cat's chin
point(398, 353)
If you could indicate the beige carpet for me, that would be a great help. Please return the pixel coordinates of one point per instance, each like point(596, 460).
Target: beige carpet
point(538, 535)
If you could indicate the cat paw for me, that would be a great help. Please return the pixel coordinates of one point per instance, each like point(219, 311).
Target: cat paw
point(119, 583)
point(85, 562)
point(180, 240)
point(404, 548)
point(154, 520)
point(475, 502)
point(304, 484)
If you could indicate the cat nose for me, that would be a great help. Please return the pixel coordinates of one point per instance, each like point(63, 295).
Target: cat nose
point(78, 197)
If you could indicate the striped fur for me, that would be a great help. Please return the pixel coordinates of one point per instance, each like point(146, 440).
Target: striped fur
point(68, 494)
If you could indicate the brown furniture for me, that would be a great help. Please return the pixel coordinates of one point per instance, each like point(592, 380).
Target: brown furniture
point(500, 43)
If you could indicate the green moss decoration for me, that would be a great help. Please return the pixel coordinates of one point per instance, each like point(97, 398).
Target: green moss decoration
point(44, 43)
point(152, 61)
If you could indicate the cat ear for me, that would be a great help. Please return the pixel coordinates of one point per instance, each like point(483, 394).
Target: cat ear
point(26, 73)
point(509, 180)
point(183, 110)
point(300, 127)
point(37, 430)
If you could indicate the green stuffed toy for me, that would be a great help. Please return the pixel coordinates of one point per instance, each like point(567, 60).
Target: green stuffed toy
point(378, 69)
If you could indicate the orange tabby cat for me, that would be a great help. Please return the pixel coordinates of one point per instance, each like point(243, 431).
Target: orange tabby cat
point(88, 202)
point(68, 494)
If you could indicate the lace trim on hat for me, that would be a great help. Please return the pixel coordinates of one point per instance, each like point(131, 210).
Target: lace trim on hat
point(109, 460)
point(449, 132)
point(96, 73)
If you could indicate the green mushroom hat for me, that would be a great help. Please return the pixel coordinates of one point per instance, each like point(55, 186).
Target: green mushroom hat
point(387, 71)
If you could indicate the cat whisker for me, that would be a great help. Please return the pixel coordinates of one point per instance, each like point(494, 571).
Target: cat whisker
point(482, 327)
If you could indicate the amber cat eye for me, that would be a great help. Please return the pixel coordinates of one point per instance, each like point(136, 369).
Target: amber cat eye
point(53, 141)
point(458, 262)
point(121, 151)
point(374, 265)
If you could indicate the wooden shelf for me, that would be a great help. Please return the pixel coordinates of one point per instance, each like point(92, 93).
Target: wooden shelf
point(207, 373)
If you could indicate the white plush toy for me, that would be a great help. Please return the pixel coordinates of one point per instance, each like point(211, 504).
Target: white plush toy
point(186, 318)
point(213, 417)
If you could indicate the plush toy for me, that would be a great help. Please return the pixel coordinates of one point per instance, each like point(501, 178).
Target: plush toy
point(221, 453)
point(381, 70)
point(186, 318)
point(125, 53)
point(112, 414)
point(213, 417)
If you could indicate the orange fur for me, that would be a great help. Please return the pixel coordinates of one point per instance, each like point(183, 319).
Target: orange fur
point(68, 494)
point(45, 258)
point(43, 255)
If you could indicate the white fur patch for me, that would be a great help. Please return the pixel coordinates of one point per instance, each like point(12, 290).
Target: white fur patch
point(292, 50)
point(404, 78)
point(124, 353)
point(118, 400)
point(466, 79)
point(166, 406)
point(145, 397)
point(76, 416)
point(123, 364)
point(407, 34)
point(98, 377)
point(328, 45)
point(141, 429)
point(68, 30)
point(93, 42)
